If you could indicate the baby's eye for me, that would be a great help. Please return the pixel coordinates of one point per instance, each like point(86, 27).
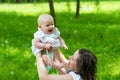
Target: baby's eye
point(47, 25)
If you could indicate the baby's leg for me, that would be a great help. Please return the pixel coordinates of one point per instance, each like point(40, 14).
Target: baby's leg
point(59, 60)
point(46, 60)
point(59, 66)
point(56, 56)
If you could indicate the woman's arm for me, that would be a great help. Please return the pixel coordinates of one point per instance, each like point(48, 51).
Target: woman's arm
point(43, 75)
point(40, 66)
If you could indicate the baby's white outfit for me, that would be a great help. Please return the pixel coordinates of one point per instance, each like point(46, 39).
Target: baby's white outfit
point(46, 38)
point(75, 76)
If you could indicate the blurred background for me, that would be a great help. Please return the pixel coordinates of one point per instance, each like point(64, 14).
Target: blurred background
point(91, 24)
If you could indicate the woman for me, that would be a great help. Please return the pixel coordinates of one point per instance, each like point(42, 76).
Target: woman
point(81, 66)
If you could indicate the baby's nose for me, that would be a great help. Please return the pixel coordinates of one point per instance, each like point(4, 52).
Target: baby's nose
point(52, 26)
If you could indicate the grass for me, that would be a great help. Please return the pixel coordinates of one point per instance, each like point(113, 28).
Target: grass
point(97, 29)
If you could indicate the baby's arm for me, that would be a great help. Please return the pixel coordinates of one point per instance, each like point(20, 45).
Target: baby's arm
point(63, 43)
point(39, 44)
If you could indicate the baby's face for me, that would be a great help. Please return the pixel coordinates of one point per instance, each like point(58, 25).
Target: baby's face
point(46, 24)
point(48, 27)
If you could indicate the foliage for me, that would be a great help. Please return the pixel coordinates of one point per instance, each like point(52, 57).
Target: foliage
point(97, 29)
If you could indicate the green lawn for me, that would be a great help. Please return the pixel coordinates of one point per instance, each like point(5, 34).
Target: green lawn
point(97, 28)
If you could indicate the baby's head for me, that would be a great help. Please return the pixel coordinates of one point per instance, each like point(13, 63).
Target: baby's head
point(46, 23)
point(45, 19)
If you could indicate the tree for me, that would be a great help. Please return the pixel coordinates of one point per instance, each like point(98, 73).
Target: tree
point(2, 1)
point(77, 8)
point(11, 1)
point(18, 1)
point(38, 0)
point(52, 12)
point(30, 0)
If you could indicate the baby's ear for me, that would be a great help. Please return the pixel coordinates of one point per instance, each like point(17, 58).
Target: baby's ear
point(39, 25)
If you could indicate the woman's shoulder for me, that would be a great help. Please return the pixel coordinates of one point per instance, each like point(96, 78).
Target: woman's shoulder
point(74, 75)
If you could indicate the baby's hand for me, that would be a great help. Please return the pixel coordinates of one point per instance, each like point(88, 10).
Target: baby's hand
point(64, 46)
point(48, 46)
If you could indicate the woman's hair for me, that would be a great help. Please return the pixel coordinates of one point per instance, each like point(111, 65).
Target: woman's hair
point(86, 64)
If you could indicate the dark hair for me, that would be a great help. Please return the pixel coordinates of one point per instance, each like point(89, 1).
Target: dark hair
point(86, 64)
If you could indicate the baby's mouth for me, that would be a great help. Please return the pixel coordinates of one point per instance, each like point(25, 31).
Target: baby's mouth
point(50, 30)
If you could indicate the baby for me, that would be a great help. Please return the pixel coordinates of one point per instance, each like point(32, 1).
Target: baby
point(47, 39)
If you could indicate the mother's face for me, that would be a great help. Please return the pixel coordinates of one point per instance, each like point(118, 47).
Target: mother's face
point(73, 61)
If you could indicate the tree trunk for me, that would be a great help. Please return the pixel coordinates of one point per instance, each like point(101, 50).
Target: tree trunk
point(11, 1)
point(38, 0)
point(2, 1)
point(77, 8)
point(51, 6)
point(30, 0)
point(18, 1)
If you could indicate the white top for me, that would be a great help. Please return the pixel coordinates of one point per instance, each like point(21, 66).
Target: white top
point(46, 38)
point(75, 76)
